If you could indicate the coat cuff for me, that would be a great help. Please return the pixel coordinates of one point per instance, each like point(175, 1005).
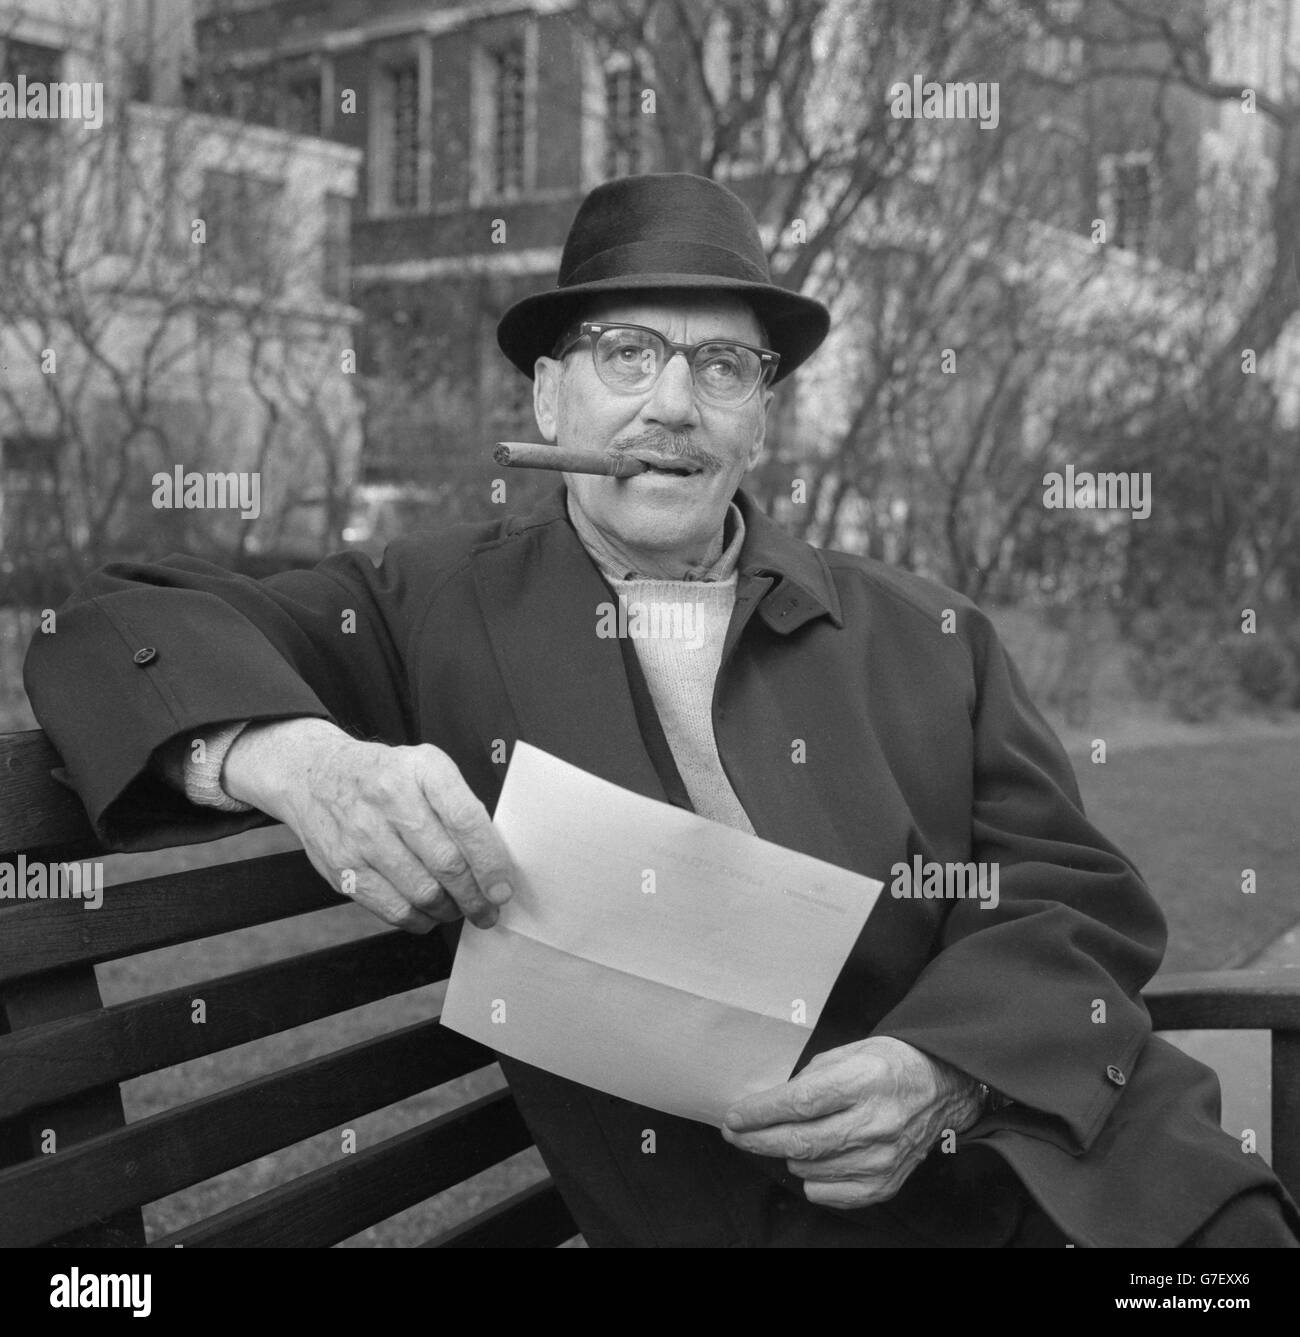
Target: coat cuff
point(134, 673)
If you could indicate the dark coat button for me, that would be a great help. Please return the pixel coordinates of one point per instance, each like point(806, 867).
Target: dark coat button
point(145, 655)
point(1116, 1075)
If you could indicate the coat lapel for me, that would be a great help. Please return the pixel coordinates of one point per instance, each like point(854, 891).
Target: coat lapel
point(539, 594)
point(784, 584)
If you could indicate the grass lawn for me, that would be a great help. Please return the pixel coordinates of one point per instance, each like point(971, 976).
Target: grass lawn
point(1191, 817)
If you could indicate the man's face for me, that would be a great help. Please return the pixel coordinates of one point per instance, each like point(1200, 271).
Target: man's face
point(661, 514)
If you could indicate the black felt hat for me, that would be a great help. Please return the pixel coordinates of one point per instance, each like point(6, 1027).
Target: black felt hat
point(663, 230)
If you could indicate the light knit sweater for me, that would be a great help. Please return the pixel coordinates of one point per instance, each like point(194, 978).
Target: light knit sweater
point(680, 664)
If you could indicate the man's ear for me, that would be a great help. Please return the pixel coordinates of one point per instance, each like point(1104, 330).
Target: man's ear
point(546, 392)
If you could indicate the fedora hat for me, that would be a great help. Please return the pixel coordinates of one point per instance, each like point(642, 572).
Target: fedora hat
point(663, 230)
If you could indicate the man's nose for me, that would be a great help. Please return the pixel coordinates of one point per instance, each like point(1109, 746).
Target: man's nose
point(672, 400)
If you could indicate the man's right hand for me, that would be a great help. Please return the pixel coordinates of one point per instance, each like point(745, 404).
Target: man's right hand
point(395, 828)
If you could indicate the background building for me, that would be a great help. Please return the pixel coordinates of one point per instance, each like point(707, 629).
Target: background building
point(173, 291)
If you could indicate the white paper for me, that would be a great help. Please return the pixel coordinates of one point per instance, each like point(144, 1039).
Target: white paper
point(649, 952)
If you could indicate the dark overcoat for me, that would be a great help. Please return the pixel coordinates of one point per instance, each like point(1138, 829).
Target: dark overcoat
point(918, 738)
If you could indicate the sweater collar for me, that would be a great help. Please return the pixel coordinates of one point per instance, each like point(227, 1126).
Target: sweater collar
point(799, 583)
point(613, 567)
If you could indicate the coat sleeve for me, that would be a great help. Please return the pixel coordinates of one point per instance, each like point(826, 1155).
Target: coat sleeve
point(144, 654)
point(1038, 997)
point(1114, 1132)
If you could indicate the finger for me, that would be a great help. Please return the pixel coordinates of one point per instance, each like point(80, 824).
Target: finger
point(420, 884)
point(446, 868)
point(439, 906)
point(813, 1139)
point(811, 1095)
point(445, 910)
point(373, 892)
point(849, 1195)
point(863, 1163)
point(466, 821)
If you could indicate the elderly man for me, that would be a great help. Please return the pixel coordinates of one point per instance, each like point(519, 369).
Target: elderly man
point(981, 1074)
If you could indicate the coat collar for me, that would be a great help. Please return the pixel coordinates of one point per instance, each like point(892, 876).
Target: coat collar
point(800, 586)
point(803, 589)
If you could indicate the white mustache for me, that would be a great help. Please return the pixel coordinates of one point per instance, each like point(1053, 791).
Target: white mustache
point(673, 445)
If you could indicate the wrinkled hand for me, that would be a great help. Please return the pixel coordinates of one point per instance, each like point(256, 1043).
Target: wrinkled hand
point(857, 1120)
point(397, 829)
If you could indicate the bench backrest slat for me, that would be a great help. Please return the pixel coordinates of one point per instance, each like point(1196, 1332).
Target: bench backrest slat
point(532, 1218)
point(158, 912)
point(1232, 1000)
point(37, 813)
point(159, 1155)
point(46, 1063)
point(1285, 1111)
point(324, 1206)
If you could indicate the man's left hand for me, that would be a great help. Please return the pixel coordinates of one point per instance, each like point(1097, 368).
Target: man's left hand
point(857, 1120)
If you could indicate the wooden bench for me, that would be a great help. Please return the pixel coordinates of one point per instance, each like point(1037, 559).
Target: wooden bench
point(63, 1054)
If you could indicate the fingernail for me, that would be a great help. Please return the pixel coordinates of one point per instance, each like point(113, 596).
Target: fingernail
point(486, 919)
point(501, 893)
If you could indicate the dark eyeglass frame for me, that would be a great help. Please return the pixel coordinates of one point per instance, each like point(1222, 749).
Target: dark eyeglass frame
point(591, 331)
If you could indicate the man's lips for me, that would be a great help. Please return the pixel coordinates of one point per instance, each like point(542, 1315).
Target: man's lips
point(677, 466)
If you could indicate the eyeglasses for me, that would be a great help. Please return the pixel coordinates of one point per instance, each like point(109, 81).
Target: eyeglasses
point(631, 358)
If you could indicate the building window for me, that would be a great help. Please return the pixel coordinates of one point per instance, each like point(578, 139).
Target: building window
point(29, 495)
point(623, 145)
point(335, 247)
point(744, 53)
point(252, 95)
point(1056, 53)
point(403, 135)
point(29, 164)
point(509, 111)
point(37, 64)
point(1247, 44)
point(1128, 189)
point(301, 112)
point(239, 212)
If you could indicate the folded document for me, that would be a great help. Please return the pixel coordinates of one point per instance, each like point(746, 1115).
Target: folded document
point(649, 952)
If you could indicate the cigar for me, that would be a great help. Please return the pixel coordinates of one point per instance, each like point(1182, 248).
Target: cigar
point(533, 455)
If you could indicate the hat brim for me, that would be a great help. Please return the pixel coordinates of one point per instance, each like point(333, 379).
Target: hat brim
point(796, 325)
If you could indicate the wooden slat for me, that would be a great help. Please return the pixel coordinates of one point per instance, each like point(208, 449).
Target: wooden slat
point(170, 1151)
point(89, 1113)
point(45, 1063)
point(330, 1204)
point(534, 1218)
point(37, 813)
point(158, 912)
point(1225, 1000)
point(1286, 1109)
